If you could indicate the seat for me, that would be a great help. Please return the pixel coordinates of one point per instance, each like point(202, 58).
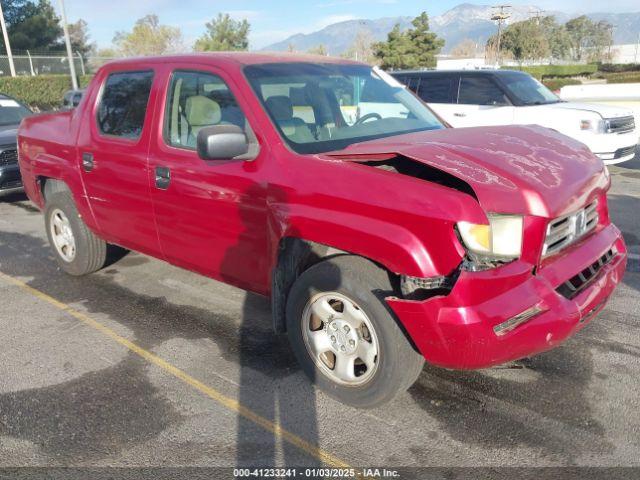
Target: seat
point(200, 112)
point(294, 128)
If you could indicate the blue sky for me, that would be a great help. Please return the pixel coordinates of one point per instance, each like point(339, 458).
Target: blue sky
point(275, 20)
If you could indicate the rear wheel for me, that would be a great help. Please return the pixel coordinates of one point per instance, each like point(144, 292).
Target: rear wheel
point(77, 249)
point(345, 337)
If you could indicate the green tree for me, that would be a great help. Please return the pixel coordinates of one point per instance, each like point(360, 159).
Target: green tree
point(394, 53)
point(224, 34)
point(588, 39)
point(318, 50)
point(525, 40)
point(533, 39)
point(79, 36)
point(557, 36)
point(31, 25)
point(148, 37)
point(415, 48)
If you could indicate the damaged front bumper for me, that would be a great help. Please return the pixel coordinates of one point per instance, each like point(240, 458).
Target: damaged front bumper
point(495, 316)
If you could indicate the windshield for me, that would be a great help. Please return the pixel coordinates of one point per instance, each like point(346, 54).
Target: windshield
point(11, 112)
point(528, 90)
point(325, 107)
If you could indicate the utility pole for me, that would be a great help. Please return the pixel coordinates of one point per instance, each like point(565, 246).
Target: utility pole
point(6, 43)
point(537, 14)
point(67, 40)
point(500, 16)
point(611, 27)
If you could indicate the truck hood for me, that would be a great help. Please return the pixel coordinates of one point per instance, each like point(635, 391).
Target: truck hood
point(605, 111)
point(528, 170)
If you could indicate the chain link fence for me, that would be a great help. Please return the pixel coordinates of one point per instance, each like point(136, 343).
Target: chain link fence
point(27, 63)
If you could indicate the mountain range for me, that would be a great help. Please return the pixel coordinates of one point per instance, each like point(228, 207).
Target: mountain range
point(465, 21)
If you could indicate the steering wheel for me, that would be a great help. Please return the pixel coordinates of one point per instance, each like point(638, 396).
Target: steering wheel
point(368, 116)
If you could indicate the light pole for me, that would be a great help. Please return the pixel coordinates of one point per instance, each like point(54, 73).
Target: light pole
point(67, 40)
point(6, 43)
point(500, 17)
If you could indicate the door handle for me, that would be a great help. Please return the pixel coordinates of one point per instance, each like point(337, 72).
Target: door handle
point(163, 177)
point(459, 114)
point(87, 162)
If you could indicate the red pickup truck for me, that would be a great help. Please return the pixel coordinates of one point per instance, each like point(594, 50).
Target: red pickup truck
point(382, 237)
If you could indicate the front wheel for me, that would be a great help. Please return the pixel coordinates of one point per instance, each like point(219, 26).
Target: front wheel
point(345, 337)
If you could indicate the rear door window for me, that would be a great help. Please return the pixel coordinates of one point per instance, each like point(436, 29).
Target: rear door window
point(480, 90)
point(436, 88)
point(123, 105)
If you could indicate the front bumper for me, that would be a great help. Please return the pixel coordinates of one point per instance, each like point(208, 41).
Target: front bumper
point(613, 148)
point(10, 180)
point(619, 156)
point(457, 330)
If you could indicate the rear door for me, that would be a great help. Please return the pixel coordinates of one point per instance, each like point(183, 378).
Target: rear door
point(439, 91)
point(481, 101)
point(113, 151)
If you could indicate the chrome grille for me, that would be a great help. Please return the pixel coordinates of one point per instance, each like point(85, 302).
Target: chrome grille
point(621, 125)
point(582, 280)
point(9, 157)
point(565, 230)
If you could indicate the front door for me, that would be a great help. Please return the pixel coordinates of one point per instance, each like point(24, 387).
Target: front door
point(113, 153)
point(211, 215)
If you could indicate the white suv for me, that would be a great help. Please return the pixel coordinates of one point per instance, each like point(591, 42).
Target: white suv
point(472, 98)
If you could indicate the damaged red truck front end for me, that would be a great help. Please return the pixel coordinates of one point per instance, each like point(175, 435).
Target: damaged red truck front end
point(572, 256)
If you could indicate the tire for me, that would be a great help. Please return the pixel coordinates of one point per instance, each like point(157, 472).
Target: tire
point(90, 252)
point(361, 287)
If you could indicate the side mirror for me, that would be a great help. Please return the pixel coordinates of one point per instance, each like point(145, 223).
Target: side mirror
point(222, 142)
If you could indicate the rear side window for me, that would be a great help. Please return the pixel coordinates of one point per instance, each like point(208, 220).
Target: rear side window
point(435, 89)
point(480, 91)
point(123, 105)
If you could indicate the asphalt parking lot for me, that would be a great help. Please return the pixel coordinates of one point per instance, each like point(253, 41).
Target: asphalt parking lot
point(144, 364)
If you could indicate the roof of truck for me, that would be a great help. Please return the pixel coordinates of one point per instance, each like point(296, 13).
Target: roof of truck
point(241, 58)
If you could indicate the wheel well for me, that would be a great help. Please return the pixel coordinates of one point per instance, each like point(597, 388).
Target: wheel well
point(295, 255)
point(49, 186)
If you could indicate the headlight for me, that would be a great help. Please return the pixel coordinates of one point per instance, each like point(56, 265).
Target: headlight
point(502, 238)
point(596, 126)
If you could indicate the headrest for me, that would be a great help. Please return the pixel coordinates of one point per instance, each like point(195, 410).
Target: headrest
point(201, 111)
point(280, 107)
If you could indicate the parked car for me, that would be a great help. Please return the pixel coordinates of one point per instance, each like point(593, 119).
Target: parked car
point(11, 114)
point(382, 240)
point(71, 98)
point(471, 98)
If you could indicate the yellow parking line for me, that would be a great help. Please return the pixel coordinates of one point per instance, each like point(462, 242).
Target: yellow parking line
point(212, 393)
